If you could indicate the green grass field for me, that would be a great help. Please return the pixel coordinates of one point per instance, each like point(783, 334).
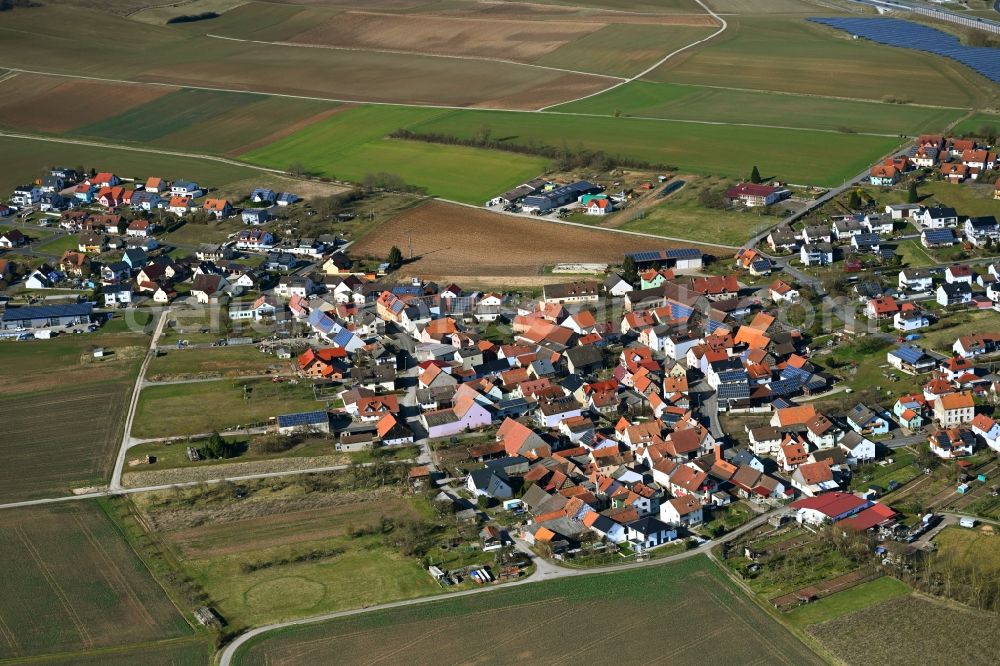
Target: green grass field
point(210, 361)
point(622, 49)
point(976, 122)
point(452, 630)
point(692, 102)
point(848, 601)
point(819, 158)
point(352, 144)
point(793, 55)
point(190, 409)
point(71, 584)
point(22, 158)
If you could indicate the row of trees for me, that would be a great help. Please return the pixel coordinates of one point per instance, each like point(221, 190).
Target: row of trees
point(564, 157)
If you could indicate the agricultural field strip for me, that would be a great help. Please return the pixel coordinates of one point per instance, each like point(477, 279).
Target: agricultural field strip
point(331, 47)
point(791, 93)
point(655, 65)
point(546, 110)
point(137, 149)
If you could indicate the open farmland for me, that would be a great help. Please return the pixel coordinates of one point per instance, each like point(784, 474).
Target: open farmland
point(687, 610)
point(790, 54)
point(191, 409)
point(451, 240)
point(623, 49)
point(501, 39)
point(820, 158)
point(358, 135)
point(71, 583)
point(58, 104)
point(61, 439)
point(692, 102)
point(24, 157)
point(208, 121)
point(64, 411)
point(166, 115)
point(292, 547)
point(961, 635)
point(34, 40)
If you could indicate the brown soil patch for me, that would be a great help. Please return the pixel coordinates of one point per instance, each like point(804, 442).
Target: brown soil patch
point(439, 35)
point(289, 130)
point(55, 104)
point(457, 240)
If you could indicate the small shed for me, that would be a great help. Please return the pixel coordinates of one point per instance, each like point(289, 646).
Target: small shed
point(99, 352)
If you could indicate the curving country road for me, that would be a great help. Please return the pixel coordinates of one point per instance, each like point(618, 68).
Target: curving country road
point(544, 570)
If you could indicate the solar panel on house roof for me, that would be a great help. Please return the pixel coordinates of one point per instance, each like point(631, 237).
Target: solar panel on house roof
point(785, 386)
point(734, 391)
point(936, 235)
point(302, 419)
point(795, 373)
point(712, 326)
point(908, 353)
point(48, 311)
point(678, 311)
point(896, 32)
point(781, 403)
point(731, 376)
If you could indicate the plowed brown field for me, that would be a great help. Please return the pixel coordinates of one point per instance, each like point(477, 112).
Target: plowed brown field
point(56, 104)
point(457, 240)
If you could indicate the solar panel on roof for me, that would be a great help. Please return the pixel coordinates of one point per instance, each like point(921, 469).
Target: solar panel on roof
point(734, 391)
point(712, 326)
point(935, 235)
point(683, 253)
point(301, 419)
point(908, 354)
point(785, 386)
point(896, 32)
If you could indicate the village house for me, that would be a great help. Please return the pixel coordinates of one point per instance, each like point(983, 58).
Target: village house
point(572, 292)
point(752, 195)
point(954, 409)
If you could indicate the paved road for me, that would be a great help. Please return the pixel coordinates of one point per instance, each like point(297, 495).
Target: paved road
point(816, 203)
point(544, 570)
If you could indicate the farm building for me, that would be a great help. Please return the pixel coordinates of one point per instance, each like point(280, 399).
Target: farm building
point(755, 194)
point(318, 421)
point(559, 196)
point(46, 315)
point(679, 258)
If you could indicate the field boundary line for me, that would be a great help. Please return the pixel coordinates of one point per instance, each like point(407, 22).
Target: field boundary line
point(331, 47)
point(722, 28)
point(81, 628)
